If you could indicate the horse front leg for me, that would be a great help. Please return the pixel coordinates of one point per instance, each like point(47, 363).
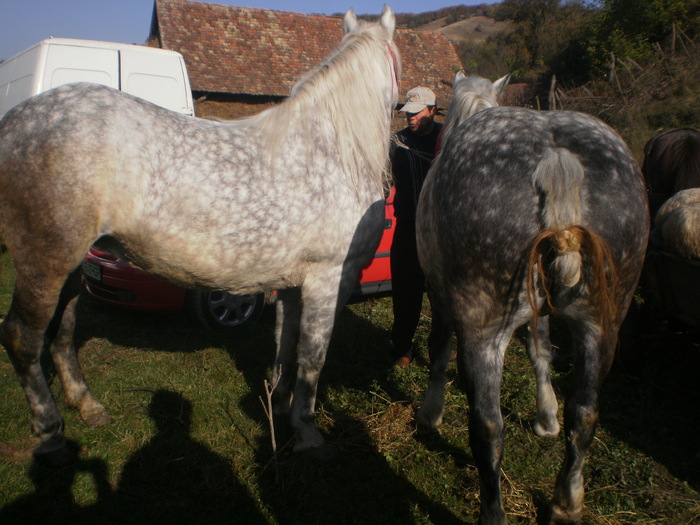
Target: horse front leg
point(592, 359)
point(65, 358)
point(286, 337)
point(439, 342)
point(539, 350)
point(480, 364)
point(324, 293)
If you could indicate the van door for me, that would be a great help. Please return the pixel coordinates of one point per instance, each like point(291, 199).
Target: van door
point(157, 77)
point(65, 64)
point(19, 78)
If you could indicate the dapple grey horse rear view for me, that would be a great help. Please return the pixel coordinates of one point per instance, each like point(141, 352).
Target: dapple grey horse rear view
point(290, 200)
point(525, 214)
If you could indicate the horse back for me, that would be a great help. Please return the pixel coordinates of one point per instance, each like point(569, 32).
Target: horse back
point(159, 183)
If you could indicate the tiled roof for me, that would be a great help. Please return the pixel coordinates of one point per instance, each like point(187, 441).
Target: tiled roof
point(251, 51)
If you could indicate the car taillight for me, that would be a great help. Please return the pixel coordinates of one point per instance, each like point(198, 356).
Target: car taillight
point(102, 254)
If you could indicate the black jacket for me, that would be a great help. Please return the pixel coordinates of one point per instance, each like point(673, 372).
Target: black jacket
point(409, 168)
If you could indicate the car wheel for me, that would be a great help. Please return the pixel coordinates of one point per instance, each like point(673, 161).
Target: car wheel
point(218, 310)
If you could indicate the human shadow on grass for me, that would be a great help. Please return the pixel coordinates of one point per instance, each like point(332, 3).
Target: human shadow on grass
point(175, 479)
point(52, 500)
point(171, 479)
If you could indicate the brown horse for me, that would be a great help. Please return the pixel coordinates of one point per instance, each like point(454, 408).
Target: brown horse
point(671, 164)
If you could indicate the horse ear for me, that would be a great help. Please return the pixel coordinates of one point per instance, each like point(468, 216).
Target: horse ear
point(349, 21)
point(459, 76)
point(388, 20)
point(500, 85)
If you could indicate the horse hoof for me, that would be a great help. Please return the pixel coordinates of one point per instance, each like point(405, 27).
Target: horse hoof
point(321, 454)
point(428, 418)
point(544, 430)
point(94, 414)
point(561, 515)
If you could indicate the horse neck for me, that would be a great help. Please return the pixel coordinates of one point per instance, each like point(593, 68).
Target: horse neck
point(340, 106)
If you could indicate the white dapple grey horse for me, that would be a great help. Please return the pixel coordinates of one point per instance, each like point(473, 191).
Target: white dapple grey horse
point(290, 200)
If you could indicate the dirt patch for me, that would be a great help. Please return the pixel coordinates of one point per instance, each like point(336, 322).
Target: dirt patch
point(21, 452)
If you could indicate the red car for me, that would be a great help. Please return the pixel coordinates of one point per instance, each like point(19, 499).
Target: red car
point(109, 279)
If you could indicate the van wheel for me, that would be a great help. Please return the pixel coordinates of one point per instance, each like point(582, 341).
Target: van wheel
point(218, 310)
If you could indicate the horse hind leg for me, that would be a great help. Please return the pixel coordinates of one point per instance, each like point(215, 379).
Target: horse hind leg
point(539, 350)
point(480, 363)
point(592, 358)
point(22, 334)
point(65, 359)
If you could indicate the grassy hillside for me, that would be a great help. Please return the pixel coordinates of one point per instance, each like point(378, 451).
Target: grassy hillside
point(475, 29)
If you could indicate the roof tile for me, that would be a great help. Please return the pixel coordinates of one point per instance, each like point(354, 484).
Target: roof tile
point(243, 50)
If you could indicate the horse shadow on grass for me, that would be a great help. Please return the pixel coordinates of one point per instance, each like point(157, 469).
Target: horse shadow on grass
point(357, 487)
point(651, 403)
point(649, 397)
point(356, 484)
point(158, 331)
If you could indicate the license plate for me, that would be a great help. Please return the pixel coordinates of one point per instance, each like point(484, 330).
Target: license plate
point(92, 271)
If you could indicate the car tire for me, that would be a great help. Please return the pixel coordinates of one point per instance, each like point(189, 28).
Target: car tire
point(219, 310)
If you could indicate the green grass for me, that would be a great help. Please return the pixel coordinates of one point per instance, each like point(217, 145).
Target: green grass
point(190, 443)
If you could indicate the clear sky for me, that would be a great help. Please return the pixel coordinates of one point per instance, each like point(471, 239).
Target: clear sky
point(24, 22)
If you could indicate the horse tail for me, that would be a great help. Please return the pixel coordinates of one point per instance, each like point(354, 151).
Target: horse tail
point(559, 253)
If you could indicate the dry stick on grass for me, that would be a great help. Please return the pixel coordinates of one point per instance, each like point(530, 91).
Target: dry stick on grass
point(267, 407)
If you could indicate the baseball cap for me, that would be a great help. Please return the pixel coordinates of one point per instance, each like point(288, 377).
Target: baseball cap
point(417, 99)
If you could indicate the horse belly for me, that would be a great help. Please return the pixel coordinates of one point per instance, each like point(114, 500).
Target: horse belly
point(259, 246)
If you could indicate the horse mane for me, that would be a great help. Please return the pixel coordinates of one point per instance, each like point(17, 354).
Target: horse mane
point(470, 94)
point(340, 101)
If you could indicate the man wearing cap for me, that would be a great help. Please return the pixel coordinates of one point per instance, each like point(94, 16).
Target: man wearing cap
point(412, 152)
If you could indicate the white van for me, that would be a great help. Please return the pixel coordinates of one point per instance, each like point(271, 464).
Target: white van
point(154, 74)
